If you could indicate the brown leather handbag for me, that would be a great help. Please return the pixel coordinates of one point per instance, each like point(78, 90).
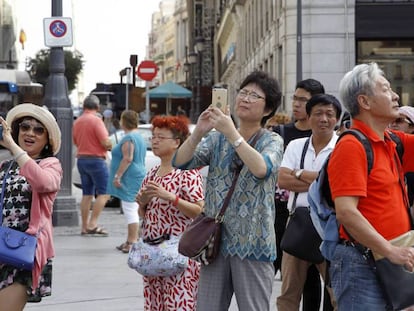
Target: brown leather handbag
point(201, 240)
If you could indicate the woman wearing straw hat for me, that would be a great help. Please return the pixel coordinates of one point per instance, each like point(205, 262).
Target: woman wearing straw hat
point(34, 174)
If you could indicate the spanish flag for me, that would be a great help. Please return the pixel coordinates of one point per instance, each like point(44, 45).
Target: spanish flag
point(22, 38)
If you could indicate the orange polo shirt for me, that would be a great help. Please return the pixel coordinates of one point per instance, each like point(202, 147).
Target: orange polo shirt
point(88, 132)
point(380, 193)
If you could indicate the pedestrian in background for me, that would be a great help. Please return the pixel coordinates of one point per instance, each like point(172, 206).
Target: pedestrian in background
point(181, 111)
point(108, 121)
point(30, 181)
point(91, 139)
point(168, 201)
point(345, 123)
point(369, 207)
point(323, 112)
point(299, 128)
point(277, 119)
point(244, 266)
point(405, 121)
point(127, 170)
point(405, 124)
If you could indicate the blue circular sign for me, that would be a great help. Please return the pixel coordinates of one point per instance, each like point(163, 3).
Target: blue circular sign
point(58, 28)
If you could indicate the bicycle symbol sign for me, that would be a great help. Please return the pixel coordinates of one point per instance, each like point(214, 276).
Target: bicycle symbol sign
point(57, 31)
point(58, 28)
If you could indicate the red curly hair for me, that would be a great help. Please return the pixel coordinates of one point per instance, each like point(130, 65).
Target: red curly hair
point(178, 125)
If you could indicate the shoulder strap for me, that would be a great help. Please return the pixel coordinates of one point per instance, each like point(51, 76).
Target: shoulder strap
point(302, 161)
point(282, 131)
point(305, 148)
point(397, 140)
point(220, 215)
point(365, 143)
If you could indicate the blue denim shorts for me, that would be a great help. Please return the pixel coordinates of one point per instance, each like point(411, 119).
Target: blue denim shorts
point(94, 175)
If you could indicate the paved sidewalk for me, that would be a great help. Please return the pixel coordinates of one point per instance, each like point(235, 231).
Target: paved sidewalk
point(89, 274)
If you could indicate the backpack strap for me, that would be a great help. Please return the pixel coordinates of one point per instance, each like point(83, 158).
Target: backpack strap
point(282, 131)
point(365, 143)
point(305, 148)
point(399, 145)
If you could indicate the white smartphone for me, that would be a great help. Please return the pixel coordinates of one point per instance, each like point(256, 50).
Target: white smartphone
point(219, 98)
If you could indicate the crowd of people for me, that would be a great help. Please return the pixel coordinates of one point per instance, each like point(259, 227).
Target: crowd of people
point(273, 158)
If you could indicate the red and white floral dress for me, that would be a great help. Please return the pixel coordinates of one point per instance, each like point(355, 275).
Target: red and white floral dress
point(178, 292)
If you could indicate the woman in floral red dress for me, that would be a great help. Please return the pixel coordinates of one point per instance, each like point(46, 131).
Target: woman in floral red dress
point(168, 201)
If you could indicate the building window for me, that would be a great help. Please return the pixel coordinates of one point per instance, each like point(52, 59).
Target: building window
point(396, 59)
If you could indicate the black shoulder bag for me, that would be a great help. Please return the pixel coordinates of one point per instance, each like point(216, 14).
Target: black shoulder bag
point(301, 238)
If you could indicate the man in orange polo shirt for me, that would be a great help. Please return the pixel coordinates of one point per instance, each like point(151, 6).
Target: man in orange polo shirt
point(91, 139)
point(370, 206)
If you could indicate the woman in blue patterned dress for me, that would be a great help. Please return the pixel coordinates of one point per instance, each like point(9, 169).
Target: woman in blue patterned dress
point(244, 266)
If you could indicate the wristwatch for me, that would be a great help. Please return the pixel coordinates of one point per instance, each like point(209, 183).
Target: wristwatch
point(238, 142)
point(298, 173)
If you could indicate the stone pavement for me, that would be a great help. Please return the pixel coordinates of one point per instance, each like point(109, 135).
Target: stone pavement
point(89, 274)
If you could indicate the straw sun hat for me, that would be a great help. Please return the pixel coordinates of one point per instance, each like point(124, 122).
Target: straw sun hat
point(41, 114)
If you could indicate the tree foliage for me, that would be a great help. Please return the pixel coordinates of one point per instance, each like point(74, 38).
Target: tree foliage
point(39, 67)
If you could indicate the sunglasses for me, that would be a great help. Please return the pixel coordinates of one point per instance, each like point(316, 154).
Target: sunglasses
point(37, 130)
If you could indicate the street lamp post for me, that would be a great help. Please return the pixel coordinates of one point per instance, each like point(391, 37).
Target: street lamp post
point(199, 47)
point(187, 66)
point(192, 59)
point(196, 58)
point(57, 100)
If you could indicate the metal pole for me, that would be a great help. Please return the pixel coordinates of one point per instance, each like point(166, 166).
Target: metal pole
point(147, 102)
point(299, 42)
point(127, 88)
point(56, 98)
point(198, 96)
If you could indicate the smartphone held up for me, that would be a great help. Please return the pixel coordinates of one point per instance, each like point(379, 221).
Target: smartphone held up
point(219, 99)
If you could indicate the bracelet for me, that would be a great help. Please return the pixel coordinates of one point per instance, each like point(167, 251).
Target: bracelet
point(175, 203)
point(19, 155)
point(117, 176)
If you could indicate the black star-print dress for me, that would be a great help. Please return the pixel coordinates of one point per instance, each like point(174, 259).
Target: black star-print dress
point(16, 214)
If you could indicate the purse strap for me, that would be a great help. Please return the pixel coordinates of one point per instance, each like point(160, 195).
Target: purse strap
point(220, 215)
point(3, 186)
point(301, 165)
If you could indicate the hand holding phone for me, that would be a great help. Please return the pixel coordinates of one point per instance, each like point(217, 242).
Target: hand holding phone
point(219, 99)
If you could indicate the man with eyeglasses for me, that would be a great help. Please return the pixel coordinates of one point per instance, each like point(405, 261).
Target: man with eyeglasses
point(299, 128)
point(91, 139)
point(405, 124)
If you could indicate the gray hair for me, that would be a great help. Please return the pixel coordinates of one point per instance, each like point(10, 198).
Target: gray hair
point(91, 102)
point(360, 80)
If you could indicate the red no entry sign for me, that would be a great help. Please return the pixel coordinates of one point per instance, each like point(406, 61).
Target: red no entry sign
point(147, 70)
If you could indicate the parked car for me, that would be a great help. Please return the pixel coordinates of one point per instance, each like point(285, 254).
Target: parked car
point(150, 159)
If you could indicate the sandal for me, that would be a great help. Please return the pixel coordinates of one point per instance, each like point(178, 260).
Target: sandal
point(97, 231)
point(127, 247)
point(120, 247)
